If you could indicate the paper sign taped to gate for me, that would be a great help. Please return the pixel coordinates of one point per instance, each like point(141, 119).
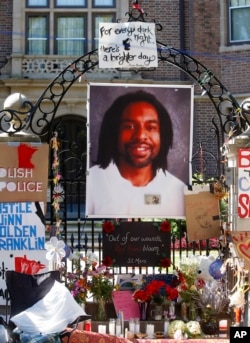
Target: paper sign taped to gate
point(202, 214)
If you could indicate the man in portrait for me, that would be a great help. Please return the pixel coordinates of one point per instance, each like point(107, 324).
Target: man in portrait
point(128, 173)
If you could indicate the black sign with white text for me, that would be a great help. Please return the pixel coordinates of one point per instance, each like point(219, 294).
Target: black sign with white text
point(137, 244)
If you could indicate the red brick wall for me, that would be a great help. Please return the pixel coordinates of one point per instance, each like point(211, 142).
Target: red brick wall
point(188, 25)
point(201, 31)
point(194, 27)
point(5, 30)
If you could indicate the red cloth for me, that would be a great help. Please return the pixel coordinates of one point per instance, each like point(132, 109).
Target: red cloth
point(80, 336)
point(168, 340)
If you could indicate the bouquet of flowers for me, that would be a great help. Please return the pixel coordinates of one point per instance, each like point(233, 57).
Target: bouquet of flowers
point(187, 283)
point(91, 280)
point(100, 283)
point(213, 300)
point(78, 286)
point(156, 291)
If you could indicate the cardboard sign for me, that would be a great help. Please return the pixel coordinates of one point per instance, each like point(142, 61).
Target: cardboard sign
point(23, 172)
point(241, 240)
point(127, 45)
point(124, 301)
point(202, 214)
point(136, 244)
point(243, 183)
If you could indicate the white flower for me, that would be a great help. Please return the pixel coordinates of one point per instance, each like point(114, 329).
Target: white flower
point(193, 327)
point(178, 327)
point(55, 250)
point(91, 258)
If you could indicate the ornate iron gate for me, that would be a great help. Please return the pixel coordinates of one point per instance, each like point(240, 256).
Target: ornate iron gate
point(42, 122)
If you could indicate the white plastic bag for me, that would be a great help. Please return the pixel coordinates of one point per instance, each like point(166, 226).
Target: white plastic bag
point(3, 334)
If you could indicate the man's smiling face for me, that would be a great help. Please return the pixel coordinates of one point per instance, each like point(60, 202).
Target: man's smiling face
point(139, 135)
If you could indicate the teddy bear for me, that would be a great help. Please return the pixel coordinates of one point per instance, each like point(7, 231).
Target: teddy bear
point(210, 268)
point(203, 268)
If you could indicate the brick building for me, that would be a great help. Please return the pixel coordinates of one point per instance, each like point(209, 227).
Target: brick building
point(36, 37)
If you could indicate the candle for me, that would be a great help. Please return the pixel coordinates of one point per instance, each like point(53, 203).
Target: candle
point(101, 328)
point(112, 326)
point(118, 327)
point(150, 330)
point(223, 328)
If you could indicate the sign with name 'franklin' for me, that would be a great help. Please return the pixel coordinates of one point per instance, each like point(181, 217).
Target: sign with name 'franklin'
point(137, 243)
point(22, 226)
point(127, 45)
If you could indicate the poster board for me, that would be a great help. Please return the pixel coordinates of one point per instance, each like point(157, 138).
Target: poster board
point(23, 172)
point(22, 239)
point(123, 300)
point(202, 214)
point(22, 226)
point(127, 45)
point(108, 193)
point(136, 244)
point(23, 261)
point(241, 240)
point(243, 183)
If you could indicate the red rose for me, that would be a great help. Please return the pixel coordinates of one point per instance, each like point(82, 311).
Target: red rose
point(172, 293)
point(165, 262)
point(107, 261)
point(108, 227)
point(141, 295)
point(165, 226)
point(154, 286)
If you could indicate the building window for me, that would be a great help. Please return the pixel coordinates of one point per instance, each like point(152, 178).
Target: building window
point(103, 3)
point(70, 38)
point(70, 3)
point(239, 21)
point(37, 3)
point(37, 33)
point(100, 18)
point(66, 27)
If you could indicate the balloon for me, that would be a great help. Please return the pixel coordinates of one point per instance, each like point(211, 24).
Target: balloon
point(215, 269)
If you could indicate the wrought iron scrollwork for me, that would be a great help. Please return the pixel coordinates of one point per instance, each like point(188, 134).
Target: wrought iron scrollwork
point(42, 113)
point(231, 116)
point(233, 119)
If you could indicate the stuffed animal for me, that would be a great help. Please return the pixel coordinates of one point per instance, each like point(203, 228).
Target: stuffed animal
point(203, 268)
point(210, 268)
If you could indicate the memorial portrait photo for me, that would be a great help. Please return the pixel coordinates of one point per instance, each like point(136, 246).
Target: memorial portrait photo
point(139, 150)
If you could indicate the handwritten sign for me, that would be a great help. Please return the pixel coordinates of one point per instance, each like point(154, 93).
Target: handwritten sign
point(241, 239)
point(202, 213)
point(22, 226)
point(124, 301)
point(137, 244)
point(243, 183)
point(23, 172)
point(127, 45)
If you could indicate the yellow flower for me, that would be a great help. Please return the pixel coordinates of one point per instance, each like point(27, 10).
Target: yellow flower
point(193, 288)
